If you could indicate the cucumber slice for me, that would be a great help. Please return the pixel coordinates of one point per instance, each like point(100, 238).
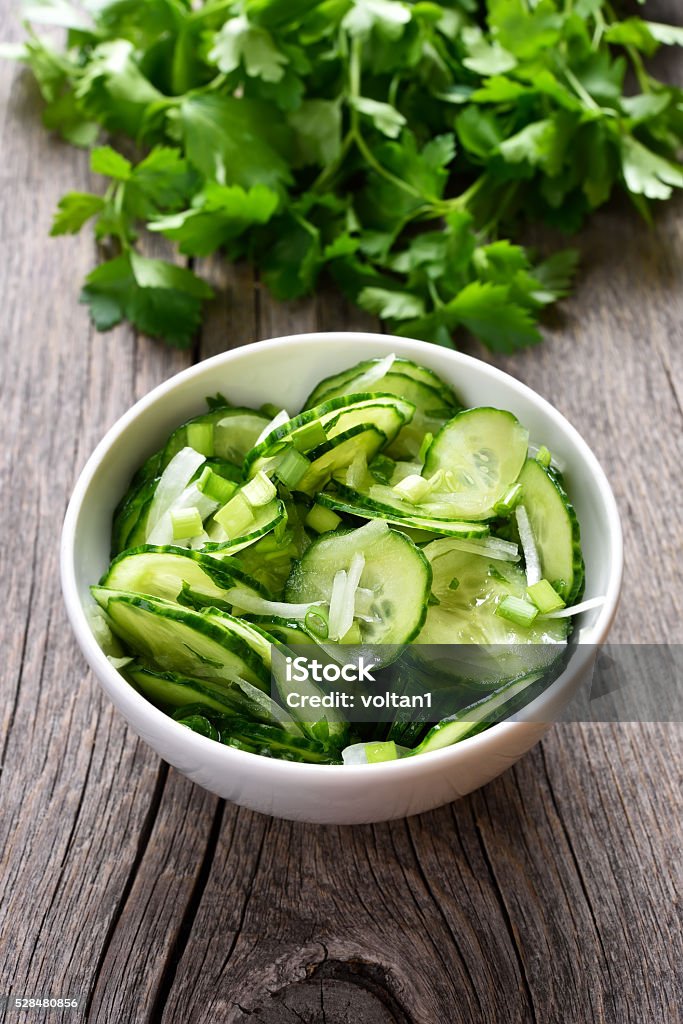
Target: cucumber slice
point(484, 449)
point(395, 571)
point(431, 410)
point(165, 571)
point(266, 518)
point(359, 506)
point(271, 741)
point(387, 414)
point(171, 690)
point(555, 528)
point(499, 704)
point(231, 433)
point(469, 588)
point(179, 639)
point(338, 453)
point(134, 504)
point(342, 383)
point(285, 631)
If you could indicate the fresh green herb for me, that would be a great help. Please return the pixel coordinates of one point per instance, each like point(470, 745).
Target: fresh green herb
point(392, 146)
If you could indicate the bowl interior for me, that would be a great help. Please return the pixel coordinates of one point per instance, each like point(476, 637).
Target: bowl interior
point(283, 372)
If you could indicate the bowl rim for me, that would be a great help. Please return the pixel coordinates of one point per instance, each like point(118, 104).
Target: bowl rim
point(192, 741)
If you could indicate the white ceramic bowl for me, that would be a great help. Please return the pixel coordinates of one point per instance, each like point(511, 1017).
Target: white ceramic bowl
point(283, 372)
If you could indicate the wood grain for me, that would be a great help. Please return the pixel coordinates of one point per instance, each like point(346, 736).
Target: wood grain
point(551, 896)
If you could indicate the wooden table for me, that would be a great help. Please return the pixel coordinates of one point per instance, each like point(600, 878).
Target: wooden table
point(549, 896)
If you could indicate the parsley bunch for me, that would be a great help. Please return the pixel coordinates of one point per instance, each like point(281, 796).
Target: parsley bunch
point(390, 145)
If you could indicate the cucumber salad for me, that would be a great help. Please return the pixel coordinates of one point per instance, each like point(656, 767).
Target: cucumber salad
point(384, 516)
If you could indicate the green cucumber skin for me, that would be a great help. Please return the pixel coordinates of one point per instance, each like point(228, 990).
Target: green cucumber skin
point(345, 403)
point(533, 477)
point(219, 633)
point(368, 509)
point(297, 582)
point(405, 367)
point(223, 573)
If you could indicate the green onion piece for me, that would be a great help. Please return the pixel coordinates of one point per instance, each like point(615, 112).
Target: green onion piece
point(454, 584)
point(381, 751)
point(269, 410)
point(200, 437)
point(291, 468)
point(425, 446)
point(543, 456)
point(308, 437)
point(235, 517)
point(259, 491)
point(516, 610)
point(412, 488)
point(187, 523)
point(322, 520)
point(317, 622)
point(215, 486)
point(507, 503)
point(545, 597)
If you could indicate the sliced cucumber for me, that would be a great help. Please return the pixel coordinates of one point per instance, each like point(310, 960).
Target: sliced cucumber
point(431, 410)
point(134, 505)
point(486, 711)
point(266, 518)
point(165, 571)
point(386, 414)
point(242, 698)
point(395, 571)
point(271, 741)
point(182, 640)
point(468, 588)
point(229, 434)
point(338, 453)
point(484, 450)
point(555, 528)
point(343, 383)
point(285, 631)
point(359, 506)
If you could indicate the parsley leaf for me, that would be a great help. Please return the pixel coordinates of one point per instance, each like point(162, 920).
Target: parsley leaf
point(159, 298)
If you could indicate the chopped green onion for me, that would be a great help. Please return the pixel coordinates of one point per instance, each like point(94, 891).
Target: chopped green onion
point(187, 523)
point(516, 610)
point(322, 520)
point(507, 503)
point(269, 410)
point(259, 491)
point(216, 486)
point(454, 584)
point(235, 517)
point(317, 622)
point(200, 437)
point(292, 468)
point(412, 488)
point(425, 446)
point(381, 751)
point(308, 437)
point(545, 597)
point(543, 456)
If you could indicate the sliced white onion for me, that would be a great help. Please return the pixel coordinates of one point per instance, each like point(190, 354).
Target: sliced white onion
point(337, 605)
point(277, 421)
point(355, 754)
point(489, 547)
point(172, 483)
point(250, 602)
point(576, 609)
point(191, 497)
point(374, 373)
point(526, 536)
point(357, 471)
